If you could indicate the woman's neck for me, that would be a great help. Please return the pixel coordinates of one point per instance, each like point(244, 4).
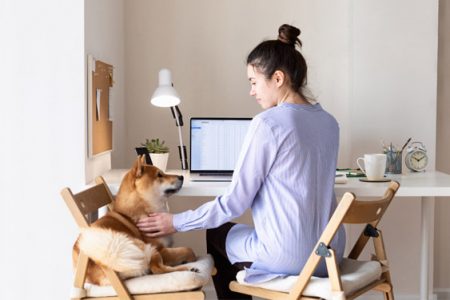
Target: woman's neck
point(293, 98)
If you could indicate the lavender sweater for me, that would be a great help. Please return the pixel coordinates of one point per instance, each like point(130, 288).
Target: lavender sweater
point(285, 174)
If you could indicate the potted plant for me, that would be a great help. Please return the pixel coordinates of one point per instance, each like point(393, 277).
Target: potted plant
point(159, 153)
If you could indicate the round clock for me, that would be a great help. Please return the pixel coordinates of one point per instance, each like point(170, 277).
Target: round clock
point(416, 158)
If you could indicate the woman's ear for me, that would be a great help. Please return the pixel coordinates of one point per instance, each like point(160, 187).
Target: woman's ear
point(279, 78)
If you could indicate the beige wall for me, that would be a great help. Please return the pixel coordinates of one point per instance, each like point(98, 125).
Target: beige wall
point(104, 39)
point(442, 225)
point(205, 44)
point(359, 56)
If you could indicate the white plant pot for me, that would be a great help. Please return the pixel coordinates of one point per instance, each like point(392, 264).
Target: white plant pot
point(160, 160)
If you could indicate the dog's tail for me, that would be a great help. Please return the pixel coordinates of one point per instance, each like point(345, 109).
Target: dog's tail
point(115, 250)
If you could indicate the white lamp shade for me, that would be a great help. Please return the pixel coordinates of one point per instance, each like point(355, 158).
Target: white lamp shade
point(165, 95)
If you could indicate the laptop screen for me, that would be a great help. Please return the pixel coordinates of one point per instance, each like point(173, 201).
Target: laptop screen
point(216, 143)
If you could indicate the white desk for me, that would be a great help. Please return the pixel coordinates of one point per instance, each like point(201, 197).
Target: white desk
point(425, 185)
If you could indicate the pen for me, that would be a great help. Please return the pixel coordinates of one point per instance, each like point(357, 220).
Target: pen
point(405, 144)
point(354, 174)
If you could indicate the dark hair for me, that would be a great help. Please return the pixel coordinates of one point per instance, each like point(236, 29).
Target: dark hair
point(281, 54)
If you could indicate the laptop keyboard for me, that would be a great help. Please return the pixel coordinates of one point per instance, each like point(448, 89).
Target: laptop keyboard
point(215, 174)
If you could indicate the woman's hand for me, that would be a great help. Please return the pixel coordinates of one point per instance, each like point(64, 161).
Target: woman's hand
point(156, 225)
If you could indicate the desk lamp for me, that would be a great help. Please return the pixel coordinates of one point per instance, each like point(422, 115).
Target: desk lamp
point(166, 96)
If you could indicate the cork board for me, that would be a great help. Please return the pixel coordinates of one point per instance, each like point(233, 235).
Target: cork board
point(100, 81)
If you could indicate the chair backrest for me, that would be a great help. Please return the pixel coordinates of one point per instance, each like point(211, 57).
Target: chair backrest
point(362, 212)
point(369, 213)
point(352, 211)
point(87, 201)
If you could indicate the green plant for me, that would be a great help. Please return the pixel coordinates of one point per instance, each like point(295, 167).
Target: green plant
point(155, 146)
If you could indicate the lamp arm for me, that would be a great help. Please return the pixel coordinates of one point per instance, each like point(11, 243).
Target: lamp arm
point(182, 150)
point(176, 113)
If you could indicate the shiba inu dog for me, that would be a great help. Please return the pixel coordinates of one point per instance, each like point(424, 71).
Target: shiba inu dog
point(115, 241)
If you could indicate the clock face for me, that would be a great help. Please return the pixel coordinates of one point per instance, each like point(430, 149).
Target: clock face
point(417, 160)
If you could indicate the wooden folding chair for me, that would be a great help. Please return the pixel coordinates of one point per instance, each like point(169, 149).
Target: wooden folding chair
point(83, 204)
point(351, 278)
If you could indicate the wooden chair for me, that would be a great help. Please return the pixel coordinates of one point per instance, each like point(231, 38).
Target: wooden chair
point(305, 286)
point(83, 204)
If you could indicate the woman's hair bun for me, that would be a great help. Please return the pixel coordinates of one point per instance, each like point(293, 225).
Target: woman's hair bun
point(289, 34)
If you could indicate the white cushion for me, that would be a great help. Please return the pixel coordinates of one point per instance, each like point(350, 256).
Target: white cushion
point(354, 275)
point(159, 283)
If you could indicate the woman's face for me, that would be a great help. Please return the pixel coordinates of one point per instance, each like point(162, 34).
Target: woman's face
point(264, 90)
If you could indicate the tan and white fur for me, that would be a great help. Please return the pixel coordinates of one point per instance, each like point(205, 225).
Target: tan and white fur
point(114, 240)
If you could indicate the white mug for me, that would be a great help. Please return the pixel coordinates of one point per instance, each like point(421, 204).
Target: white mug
point(374, 165)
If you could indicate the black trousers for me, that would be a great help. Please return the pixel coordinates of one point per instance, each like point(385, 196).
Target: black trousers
point(226, 272)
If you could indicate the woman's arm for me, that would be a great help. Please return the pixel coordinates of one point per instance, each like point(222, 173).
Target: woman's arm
point(255, 160)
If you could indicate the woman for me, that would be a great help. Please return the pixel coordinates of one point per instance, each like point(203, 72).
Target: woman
point(285, 174)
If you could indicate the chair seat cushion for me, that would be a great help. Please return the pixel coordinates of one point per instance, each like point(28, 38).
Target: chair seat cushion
point(159, 283)
point(354, 275)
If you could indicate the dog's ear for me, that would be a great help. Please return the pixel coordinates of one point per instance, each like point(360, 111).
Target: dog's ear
point(138, 166)
point(143, 161)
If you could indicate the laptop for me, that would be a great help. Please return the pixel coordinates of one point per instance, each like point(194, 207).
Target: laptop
point(215, 144)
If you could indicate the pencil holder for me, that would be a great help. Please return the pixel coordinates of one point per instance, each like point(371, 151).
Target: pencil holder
point(393, 162)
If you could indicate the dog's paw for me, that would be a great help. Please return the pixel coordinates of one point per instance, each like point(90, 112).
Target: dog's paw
point(195, 270)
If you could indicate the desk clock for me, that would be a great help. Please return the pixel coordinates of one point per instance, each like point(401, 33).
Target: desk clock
point(416, 158)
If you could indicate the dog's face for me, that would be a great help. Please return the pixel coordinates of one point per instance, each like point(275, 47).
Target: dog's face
point(152, 184)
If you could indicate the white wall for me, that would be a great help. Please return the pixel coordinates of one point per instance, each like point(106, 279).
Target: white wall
point(393, 78)
point(393, 74)
point(42, 137)
point(371, 63)
point(104, 39)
